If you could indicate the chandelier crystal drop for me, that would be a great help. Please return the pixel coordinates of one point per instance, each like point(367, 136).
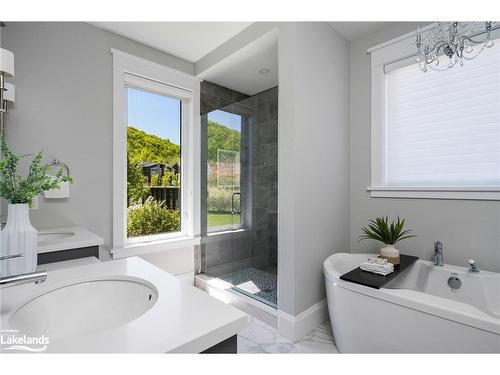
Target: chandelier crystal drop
point(459, 41)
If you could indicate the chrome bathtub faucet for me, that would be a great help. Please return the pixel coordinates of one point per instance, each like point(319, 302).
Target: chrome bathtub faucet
point(438, 253)
point(472, 266)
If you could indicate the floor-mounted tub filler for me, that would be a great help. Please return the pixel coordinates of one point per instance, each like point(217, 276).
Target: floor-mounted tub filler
point(420, 311)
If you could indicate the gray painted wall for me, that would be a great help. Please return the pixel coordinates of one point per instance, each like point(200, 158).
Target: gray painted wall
point(64, 106)
point(468, 229)
point(313, 153)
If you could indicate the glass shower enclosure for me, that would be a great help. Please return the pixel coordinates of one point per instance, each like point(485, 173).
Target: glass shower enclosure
point(239, 194)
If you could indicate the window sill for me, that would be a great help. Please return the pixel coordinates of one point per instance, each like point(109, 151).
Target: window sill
point(154, 246)
point(472, 193)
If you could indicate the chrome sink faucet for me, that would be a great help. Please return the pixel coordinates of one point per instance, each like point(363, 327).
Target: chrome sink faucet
point(438, 253)
point(472, 266)
point(24, 278)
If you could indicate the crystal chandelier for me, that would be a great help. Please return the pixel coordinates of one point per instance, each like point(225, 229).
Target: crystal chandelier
point(456, 40)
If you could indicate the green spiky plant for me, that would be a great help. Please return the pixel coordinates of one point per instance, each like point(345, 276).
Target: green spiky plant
point(379, 229)
point(18, 190)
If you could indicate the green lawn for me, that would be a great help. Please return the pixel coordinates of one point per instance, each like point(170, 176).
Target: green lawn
point(216, 219)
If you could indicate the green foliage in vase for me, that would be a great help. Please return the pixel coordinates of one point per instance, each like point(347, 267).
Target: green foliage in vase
point(19, 190)
point(379, 229)
point(151, 217)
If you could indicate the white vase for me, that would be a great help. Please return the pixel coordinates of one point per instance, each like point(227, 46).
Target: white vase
point(19, 238)
point(390, 253)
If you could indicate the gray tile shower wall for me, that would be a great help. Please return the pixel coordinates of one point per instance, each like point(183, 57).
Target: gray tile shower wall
point(215, 97)
point(226, 253)
point(264, 171)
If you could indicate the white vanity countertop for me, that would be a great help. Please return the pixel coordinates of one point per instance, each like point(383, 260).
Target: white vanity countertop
point(184, 319)
point(81, 238)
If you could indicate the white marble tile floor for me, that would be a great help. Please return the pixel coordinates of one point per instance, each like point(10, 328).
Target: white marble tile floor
point(259, 337)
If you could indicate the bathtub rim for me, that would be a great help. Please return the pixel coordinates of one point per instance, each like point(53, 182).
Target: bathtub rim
point(426, 303)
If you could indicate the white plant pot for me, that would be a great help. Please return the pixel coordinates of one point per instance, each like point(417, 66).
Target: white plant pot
point(19, 238)
point(390, 253)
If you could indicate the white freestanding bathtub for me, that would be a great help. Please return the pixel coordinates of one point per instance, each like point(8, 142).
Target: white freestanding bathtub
point(415, 312)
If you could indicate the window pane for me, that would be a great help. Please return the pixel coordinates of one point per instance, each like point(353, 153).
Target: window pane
point(224, 170)
point(153, 163)
point(443, 128)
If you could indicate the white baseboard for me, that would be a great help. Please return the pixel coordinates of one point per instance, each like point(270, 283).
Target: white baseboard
point(296, 327)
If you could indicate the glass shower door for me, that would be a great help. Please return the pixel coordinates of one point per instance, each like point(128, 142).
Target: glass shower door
point(241, 196)
point(223, 171)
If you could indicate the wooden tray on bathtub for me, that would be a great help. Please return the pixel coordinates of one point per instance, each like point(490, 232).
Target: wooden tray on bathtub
point(373, 280)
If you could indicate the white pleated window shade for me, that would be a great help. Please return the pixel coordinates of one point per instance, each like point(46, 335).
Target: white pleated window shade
point(443, 128)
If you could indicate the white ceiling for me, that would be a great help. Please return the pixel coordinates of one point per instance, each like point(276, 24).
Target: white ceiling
point(355, 30)
point(188, 40)
point(192, 41)
point(240, 71)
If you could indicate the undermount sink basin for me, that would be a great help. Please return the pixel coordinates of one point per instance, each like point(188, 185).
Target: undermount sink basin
point(84, 307)
point(54, 236)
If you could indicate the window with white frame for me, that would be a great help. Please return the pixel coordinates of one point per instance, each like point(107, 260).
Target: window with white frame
point(154, 155)
point(435, 134)
point(154, 123)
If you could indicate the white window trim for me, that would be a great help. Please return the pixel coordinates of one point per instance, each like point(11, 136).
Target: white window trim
point(398, 49)
point(129, 70)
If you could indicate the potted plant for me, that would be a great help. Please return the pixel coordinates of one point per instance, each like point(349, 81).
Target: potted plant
point(379, 229)
point(19, 236)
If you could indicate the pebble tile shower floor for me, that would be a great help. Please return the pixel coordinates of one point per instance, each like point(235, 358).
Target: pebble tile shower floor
point(264, 281)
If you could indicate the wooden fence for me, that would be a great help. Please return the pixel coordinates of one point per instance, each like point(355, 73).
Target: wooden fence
point(169, 195)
